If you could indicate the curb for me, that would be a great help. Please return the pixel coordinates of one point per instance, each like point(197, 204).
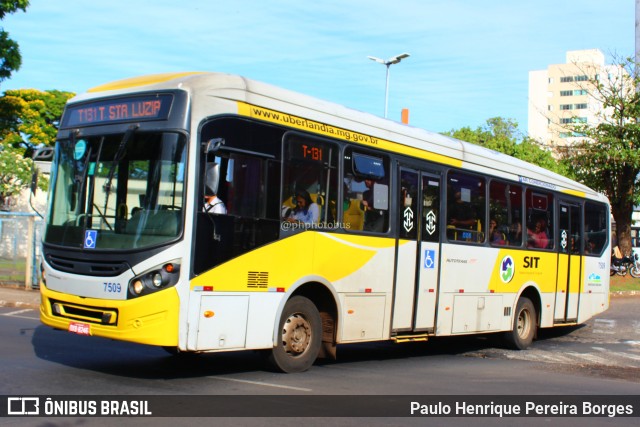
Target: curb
point(18, 304)
point(624, 293)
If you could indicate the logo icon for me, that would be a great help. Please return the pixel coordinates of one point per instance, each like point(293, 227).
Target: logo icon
point(563, 239)
point(90, 237)
point(507, 269)
point(429, 259)
point(594, 277)
point(431, 222)
point(408, 219)
point(23, 406)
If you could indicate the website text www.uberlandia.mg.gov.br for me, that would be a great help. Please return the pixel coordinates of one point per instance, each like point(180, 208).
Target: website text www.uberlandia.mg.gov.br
point(322, 128)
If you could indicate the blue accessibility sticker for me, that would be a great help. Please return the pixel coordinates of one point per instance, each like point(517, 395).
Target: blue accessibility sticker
point(90, 237)
point(429, 259)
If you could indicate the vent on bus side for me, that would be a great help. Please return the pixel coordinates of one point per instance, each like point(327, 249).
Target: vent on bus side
point(507, 311)
point(257, 279)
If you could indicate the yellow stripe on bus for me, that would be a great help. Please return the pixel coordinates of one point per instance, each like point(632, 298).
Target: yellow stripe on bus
point(284, 262)
point(296, 122)
point(140, 81)
point(576, 193)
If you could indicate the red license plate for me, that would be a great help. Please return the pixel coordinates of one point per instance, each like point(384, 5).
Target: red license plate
point(80, 328)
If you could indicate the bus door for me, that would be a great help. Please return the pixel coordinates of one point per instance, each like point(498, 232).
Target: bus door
point(418, 249)
point(569, 263)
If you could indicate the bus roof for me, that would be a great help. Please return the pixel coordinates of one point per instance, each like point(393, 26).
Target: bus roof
point(205, 87)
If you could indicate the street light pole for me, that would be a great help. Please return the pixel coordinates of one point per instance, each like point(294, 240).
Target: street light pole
point(388, 63)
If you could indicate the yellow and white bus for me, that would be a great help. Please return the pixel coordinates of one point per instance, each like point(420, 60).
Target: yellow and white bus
point(339, 227)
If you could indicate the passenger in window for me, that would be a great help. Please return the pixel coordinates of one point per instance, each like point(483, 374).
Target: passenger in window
point(461, 214)
point(575, 245)
point(305, 211)
point(515, 234)
point(537, 237)
point(373, 218)
point(496, 237)
point(212, 204)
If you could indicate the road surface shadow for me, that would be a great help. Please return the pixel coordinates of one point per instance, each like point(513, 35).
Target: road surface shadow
point(148, 362)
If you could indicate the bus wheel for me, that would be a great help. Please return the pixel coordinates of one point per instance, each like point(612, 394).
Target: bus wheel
point(299, 336)
point(524, 325)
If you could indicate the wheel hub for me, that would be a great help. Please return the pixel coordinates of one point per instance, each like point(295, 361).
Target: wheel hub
point(524, 323)
point(296, 334)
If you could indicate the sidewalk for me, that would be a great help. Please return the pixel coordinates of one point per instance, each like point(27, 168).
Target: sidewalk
point(12, 296)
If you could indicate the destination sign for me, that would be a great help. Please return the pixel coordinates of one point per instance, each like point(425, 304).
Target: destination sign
point(155, 107)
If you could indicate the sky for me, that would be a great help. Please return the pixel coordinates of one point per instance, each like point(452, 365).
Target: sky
point(469, 59)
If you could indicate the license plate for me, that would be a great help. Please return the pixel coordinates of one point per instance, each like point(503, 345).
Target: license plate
point(80, 328)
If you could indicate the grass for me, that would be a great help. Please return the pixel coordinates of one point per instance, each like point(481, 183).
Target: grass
point(624, 283)
point(12, 270)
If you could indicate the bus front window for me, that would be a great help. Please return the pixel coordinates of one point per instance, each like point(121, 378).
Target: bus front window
point(117, 191)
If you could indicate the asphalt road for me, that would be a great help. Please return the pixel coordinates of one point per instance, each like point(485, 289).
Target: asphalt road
point(599, 358)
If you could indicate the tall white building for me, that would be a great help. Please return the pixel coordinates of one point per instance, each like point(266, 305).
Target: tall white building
point(562, 95)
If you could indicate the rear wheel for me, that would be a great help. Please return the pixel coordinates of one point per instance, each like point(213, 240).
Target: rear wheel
point(524, 325)
point(634, 270)
point(299, 336)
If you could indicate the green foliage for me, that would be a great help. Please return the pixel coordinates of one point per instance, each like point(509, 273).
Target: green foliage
point(10, 6)
point(15, 174)
point(501, 135)
point(608, 158)
point(28, 117)
point(10, 58)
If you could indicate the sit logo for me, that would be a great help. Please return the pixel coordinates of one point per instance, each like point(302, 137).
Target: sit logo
point(507, 269)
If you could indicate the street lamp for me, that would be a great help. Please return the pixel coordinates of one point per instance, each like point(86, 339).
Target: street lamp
point(388, 63)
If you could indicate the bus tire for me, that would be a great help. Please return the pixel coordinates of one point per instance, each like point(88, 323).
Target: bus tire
point(299, 336)
point(524, 325)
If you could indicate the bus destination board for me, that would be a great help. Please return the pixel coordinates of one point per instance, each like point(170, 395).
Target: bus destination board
point(155, 107)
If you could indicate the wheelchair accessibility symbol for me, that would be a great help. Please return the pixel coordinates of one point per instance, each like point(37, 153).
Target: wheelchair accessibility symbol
point(90, 237)
point(429, 259)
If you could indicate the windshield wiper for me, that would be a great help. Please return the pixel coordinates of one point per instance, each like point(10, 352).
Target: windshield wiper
point(116, 159)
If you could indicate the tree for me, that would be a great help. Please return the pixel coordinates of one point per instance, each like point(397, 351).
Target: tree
point(15, 175)
point(29, 117)
point(607, 159)
point(501, 135)
point(10, 58)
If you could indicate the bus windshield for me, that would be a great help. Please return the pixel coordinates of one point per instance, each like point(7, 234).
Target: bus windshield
point(122, 191)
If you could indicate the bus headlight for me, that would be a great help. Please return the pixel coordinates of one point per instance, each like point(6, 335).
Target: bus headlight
point(155, 279)
point(137, 287)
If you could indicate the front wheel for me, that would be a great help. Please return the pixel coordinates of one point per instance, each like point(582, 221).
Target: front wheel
point(299, 336)
point(524, 325)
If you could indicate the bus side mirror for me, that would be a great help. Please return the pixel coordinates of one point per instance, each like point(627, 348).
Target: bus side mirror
point(214, 145)
point(43, 154)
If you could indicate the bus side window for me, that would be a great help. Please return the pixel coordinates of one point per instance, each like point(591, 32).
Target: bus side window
point(466, 218)
point(595, 228)
point(539, 219)
point(505, 206)
point(309, 191)
point(366, 192)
